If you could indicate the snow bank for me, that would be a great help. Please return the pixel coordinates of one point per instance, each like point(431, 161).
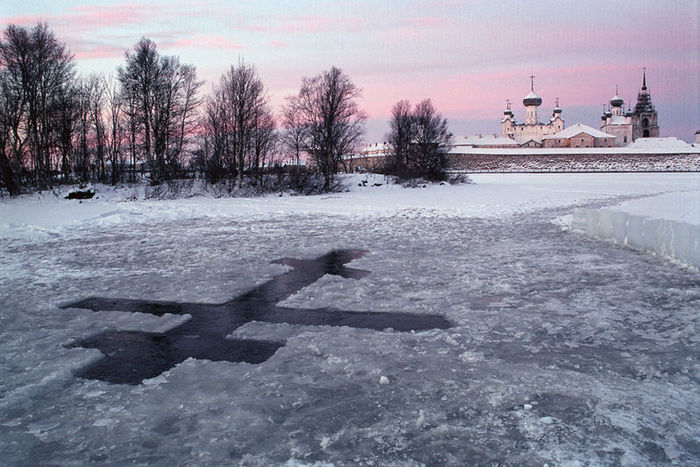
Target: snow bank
point(668, 143)
point(666, 225)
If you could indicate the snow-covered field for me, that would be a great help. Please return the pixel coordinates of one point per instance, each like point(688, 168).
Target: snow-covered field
point(563, 348)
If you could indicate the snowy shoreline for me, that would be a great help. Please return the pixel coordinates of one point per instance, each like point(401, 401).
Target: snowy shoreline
point(491, 195)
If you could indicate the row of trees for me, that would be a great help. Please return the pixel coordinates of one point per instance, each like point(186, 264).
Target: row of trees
point(159, 96)
point(56, 127)
point(37, 90)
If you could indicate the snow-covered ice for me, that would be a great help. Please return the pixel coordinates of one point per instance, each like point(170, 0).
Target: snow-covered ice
point(680, 206)
point(564, 349)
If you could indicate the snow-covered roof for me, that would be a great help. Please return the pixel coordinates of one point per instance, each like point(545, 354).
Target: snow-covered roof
point(574, 130)
point(525, 141)
point(374, 149)
point(660, 143)
point(619, 120)
point(483, 140)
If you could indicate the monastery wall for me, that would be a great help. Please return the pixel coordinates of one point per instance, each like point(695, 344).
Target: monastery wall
point(598, 161)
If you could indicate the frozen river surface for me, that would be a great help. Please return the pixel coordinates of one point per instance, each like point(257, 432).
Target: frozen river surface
point(562, 348)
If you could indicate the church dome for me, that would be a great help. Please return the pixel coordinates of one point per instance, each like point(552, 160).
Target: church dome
point(617, 101)
point(532, 99)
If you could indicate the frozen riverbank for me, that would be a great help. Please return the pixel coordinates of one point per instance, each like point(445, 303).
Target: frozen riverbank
point(491, 195)
point(667, 225)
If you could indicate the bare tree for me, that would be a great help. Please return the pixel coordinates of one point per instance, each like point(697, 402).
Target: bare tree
point(432, 142)
point(292, 134)
point(402, 134)
point(190, 101)
point(95, 94)
point(420, 140)
point(12, 137)
point(115, 129)
point(333, 123)
point(41, 67)
point(164, 102)
point(218, 159)
point(263, 140)
point(138, 80)
point(84, 131)
point(133, 124)
point(239, 125)
point(161, 96)
point(244, 94)
point(64, 126)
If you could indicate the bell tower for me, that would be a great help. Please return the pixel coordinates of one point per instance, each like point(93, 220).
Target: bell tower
point(645, 120)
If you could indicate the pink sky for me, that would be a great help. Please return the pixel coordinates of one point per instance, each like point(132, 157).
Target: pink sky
point(467, 56)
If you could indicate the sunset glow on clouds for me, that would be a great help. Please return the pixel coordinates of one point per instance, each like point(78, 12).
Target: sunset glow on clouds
point(467, 56)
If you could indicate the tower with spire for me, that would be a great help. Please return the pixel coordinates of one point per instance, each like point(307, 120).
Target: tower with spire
point(532, 131)
point(645, 120)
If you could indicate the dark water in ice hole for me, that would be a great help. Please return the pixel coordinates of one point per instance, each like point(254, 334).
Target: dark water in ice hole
point(132, 356)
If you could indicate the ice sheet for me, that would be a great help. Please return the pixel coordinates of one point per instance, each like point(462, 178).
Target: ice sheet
point(563, 349)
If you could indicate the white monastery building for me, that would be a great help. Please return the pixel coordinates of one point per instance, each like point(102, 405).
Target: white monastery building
point(530, 133)
point(620, 128)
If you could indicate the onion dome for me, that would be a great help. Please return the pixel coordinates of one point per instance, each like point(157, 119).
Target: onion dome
point(508, 113)
point(617, 101)
point(557, 110)
point(532, 99)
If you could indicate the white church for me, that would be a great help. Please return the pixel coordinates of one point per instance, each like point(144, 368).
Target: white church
point(530, 133)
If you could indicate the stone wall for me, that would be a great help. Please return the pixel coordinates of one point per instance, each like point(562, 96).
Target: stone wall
point(575, 163)
point(484, 163)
